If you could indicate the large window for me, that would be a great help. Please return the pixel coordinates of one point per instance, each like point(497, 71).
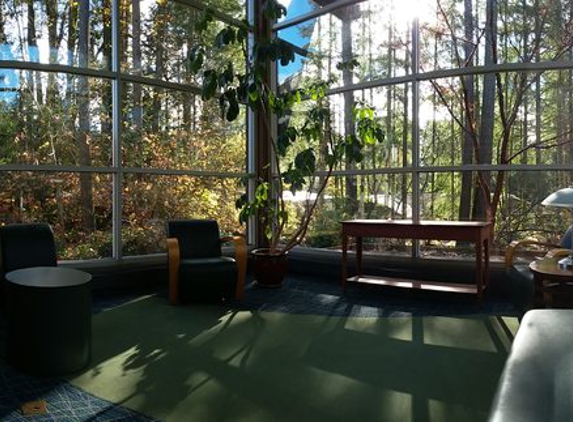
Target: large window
point(103, 133)
point(474, 96)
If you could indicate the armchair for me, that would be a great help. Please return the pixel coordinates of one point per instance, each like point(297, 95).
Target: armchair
point(197, 269)
point(25, 245)
point(521, 278)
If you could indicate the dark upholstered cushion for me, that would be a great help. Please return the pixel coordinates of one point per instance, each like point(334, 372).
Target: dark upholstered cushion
point(207, 279)
point(27, 245)
point(197, 238)
point(566, 239)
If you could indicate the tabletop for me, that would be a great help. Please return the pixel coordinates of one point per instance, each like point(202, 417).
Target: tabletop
point(46, 277)
point(548, 267)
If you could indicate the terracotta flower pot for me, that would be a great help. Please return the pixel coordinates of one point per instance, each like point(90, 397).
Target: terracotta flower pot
point(269, 270)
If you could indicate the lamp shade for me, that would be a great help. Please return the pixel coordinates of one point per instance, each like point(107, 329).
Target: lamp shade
point(561, 198)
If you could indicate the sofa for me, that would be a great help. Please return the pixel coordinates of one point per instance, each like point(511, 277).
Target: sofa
point(537, 381)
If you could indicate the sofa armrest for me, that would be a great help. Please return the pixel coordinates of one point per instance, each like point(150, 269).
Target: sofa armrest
point(536, 382)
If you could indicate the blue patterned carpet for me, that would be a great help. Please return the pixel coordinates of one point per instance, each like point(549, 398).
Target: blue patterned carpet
point(299, 295)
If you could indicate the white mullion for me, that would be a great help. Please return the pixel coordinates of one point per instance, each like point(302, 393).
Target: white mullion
point(194, 173)
point(116, 136)
point(415, 131)
point(451, 73)
point(57, 68)
point(287, 23)
point(198, 5)
point(115, 169)
point(202, 173)
point(449, 169)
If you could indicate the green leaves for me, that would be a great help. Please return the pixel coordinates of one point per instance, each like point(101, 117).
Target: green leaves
point(229, 104)
point(225, 37)
point(368, 127)
point(196, 58)
point(348, 65)
point(203, 20)
point(273, 10)
point(285, 139)
point(274, 50)
point(209, 84)
point(305, 129)
point(227, 76)
point(305, 162)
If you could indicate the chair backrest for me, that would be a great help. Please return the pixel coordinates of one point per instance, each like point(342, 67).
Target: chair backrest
point(566, 239)
point(197, 238)
point(27, 245)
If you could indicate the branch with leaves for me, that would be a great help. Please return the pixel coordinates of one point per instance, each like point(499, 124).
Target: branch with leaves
point(251, 88)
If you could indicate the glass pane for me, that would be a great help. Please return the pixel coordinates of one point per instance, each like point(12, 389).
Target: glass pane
point(76, 33)
point(149, 201)
point(298, 7)
point(456, 196)
point(77, 206)
point(235, 8)
point(521, 215)
point(54, 118)
point(177, 130)
point(457, 34)
point(158, 44)
point(375, 35)
point(392, 108)
point(361, 196)
point(536, 127)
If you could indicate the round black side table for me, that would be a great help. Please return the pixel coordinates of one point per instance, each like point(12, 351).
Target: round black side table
point(49, 311)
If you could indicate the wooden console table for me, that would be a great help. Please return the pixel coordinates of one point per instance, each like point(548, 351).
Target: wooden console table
point(470, 231)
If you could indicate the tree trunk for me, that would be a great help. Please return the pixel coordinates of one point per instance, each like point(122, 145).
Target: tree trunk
point(86, 183)
point(2, 27)
point(71, 110)
point(107, 100)
point(525, 43)
point(159, 63)
point(34, 53)
point(52, 16)
point(405, 125)
point(136, 52)
point(487, 111)
point(347, 56)
point(538, 107)
point(467, 146)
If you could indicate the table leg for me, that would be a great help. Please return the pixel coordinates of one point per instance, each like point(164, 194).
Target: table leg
point(479, 269)
point(359, 256)
point(486, 262)
point(538, 294)
point(344, 261)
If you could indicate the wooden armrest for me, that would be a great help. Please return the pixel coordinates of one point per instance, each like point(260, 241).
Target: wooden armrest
point(173, 265)
point(511, 250)
point(241, 257)
point(557, 253)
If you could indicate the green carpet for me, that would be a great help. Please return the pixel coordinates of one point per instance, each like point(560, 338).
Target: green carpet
point(206, 363)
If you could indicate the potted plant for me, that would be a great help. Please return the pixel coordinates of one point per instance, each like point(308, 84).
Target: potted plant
point(296, 149)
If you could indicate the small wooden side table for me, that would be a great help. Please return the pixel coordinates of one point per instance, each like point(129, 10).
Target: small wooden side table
point(549, 278)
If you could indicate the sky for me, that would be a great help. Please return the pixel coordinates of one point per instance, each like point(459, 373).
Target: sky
point(294, 8)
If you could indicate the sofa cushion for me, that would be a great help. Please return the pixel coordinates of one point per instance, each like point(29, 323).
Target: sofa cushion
point(207, 279)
